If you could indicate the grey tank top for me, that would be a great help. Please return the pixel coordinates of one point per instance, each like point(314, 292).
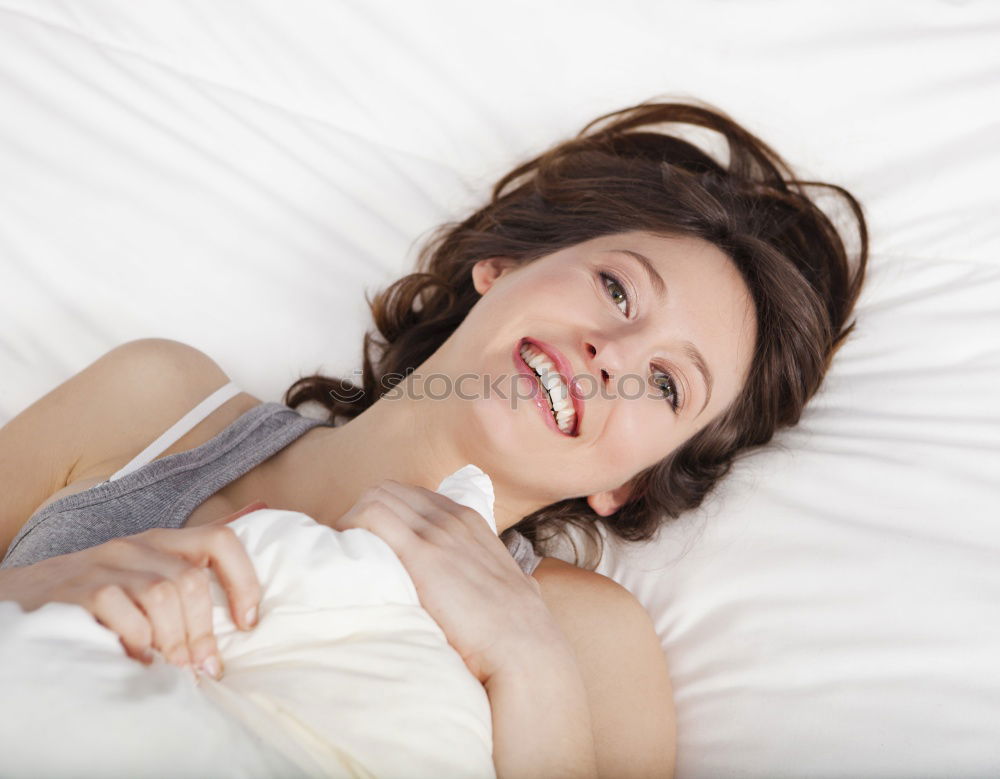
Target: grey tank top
point(163, 493)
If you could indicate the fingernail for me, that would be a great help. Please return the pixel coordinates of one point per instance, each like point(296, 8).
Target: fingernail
point(251, 616)
point(210, 665)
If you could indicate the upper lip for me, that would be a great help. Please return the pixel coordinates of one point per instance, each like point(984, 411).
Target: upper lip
point(566, 371)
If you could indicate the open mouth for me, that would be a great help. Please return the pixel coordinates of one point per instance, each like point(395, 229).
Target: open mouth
point(563, 408)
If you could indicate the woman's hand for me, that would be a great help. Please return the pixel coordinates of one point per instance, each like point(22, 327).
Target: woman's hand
point(151, 588)
point(490, 611)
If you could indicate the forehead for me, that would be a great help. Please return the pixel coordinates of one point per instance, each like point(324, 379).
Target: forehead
point(677, 254)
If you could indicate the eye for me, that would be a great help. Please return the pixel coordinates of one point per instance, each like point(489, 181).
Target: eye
point(664, 382)
point(616, 290)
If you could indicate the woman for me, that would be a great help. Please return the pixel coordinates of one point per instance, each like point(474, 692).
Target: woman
point(603, 338)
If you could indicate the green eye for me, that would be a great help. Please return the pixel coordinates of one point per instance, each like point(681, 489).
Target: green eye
point(664, 382)
point(616, 291)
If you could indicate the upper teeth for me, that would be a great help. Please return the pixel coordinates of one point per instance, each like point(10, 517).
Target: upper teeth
point(556, 389)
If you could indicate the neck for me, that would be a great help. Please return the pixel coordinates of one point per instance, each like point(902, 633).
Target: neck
point(398, 439)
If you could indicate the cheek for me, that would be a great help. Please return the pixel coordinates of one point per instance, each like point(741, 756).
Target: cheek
point(543, 289)
point(639, 434)
point(543, 293)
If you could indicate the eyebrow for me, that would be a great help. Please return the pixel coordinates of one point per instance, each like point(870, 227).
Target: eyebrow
point(690, 350)
point(655, 279)
point(699, 362)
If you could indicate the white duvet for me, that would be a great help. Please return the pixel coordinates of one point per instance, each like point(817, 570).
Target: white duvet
point(345, 675)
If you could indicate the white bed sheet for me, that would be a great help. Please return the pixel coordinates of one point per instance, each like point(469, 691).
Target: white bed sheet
point(834, 610)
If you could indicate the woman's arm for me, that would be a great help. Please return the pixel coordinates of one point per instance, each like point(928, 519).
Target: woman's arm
point(496, 619)
point(623, 666)
point(117, 404)
point(151, 588)
point(553, 650)
point(541, 718)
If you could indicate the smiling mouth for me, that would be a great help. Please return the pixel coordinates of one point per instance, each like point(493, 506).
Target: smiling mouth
point(553, 387)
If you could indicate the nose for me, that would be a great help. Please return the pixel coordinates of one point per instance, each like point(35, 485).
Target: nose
point(603, 357)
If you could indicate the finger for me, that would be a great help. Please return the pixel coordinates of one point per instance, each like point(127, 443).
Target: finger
point(171, 590)
point(449, 517)
point(218, 546)
point(196, 604)
point(114, 609)
point(157, 596)
point(149, 577)
point(187, 625)
point(388, 517)
point(440, 508)
point(425, 519)
point(236, 574)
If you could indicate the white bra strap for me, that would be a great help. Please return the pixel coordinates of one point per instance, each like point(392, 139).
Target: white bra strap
point(183, 425)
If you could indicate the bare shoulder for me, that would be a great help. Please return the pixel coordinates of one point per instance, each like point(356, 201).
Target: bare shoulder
point(623, 666)
point(98, 419)
point(140, 389)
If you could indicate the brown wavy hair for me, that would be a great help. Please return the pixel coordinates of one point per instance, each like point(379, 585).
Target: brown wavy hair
point(625, 171)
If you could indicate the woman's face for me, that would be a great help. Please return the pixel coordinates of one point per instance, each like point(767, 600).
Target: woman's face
point(651, 350)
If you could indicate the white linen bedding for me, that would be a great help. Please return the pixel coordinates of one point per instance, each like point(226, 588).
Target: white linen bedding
point(237, 175)
point(345, 675)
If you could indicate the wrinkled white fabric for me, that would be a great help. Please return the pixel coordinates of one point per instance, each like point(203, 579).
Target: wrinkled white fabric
point(345, 675)
point(831, 610)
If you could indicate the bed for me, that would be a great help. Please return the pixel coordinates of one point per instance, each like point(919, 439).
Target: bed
point(236, 176)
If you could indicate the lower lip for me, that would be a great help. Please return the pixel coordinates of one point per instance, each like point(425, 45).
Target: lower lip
point(538, 395)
